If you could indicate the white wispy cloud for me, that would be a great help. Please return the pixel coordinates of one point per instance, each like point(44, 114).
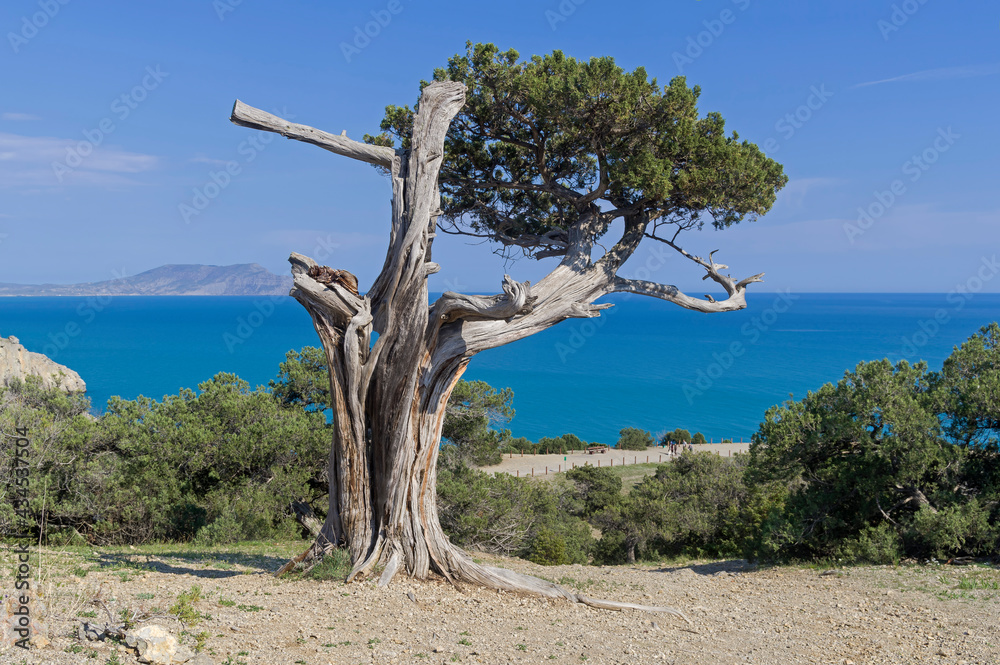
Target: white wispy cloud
point(202, 159)
point(40, 161)
point(795, 192)
point(939, 74)
point(18, 116)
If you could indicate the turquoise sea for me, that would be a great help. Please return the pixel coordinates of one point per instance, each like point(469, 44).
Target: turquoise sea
point(644, 363)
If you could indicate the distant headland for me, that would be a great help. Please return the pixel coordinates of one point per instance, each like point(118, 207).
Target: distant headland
point(244, 279)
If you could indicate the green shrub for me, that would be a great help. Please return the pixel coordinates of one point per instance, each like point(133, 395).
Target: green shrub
point(952, 531)
point(875, 544)
point(548, 548)
point(697, 505)
point(507, 515)
point(596, 488)
point(633, 438)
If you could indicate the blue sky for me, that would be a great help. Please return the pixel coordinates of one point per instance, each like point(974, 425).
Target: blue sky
point(113, 114)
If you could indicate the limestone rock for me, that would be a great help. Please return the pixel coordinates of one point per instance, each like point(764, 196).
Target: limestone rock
point(16, 362)
point(22, 622)
point(154, 644)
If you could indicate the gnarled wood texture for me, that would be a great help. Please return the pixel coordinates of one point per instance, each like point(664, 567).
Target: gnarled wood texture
point(389, 396)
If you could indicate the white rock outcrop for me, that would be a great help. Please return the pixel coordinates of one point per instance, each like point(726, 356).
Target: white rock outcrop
point(16, 362)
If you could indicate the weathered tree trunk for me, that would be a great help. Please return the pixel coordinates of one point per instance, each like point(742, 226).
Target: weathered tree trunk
point(389, 394)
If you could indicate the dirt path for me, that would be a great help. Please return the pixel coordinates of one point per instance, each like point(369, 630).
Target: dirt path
point(873, 615)
point(536, 465)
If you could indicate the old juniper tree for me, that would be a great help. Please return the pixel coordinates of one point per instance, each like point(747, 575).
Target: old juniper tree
point(550, 157)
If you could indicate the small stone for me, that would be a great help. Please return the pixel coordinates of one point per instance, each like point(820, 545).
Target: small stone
point(155, 645)
point(409, 594)
point(201, 659)
point(183, 655)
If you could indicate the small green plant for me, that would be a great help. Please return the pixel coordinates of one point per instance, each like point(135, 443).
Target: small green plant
point(465, 641)
point(465, 632)
point(200, 640)
point(243, 653)
point(249, 608)
point(226, 602)
point(89, 614)
point(184, 609)
point(74, 648)
point(80, 571)
point(373, 641)
point(972, 583)
point(522, 647)
point(127, 619)
point(334, 566)
point(420, 655)
point(113, 659)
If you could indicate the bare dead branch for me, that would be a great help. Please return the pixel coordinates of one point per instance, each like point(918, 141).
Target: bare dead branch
point(515, 299)
point(248, 116)
point(672, 294)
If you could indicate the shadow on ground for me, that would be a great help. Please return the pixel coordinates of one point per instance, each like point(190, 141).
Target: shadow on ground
point(732, 566)
point(210, 565)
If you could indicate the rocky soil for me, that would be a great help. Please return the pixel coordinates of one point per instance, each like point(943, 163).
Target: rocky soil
point(739, 614)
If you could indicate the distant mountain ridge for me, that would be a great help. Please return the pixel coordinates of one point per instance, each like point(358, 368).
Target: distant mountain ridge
point(244, 279)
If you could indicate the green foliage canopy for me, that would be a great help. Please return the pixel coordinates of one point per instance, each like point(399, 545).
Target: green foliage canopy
point(542, 143)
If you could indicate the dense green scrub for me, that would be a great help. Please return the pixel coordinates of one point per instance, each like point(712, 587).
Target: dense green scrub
point(893, 461)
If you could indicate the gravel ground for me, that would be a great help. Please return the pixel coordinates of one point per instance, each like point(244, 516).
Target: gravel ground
point(739, 614)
